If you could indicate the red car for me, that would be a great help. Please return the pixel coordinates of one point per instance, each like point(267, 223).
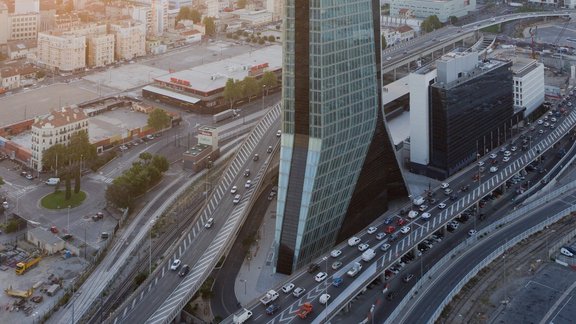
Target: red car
point(53, 229)
point(401, 221)
point(390, 229)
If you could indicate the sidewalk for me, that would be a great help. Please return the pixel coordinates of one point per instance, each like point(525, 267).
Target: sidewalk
point(256, 275)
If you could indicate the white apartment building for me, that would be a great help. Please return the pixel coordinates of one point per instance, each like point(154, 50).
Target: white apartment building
point(419, 82)
point(100, 50)
point(24, 26)
point(212, 8)
point(159, 17)
point(130, 39)
point(528, 76)
point(275, 7)
point(55, 128)
point(4, 23)
point(443, 9)
point(62, 51)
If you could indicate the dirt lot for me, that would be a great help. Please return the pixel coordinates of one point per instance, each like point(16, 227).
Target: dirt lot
point(519, 287)
point(51, 270)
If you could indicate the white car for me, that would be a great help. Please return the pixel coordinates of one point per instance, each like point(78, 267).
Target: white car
point(444, 185)
point(405, 229)
point(248, 184)
point(513, 148)
point(320, 276)
point(380, 236)
point(426, 216)
point(335, 253)
point(287, 288)
point(5, 205)
point(480, 163)
point(412, 214)
point(385, 247)
point(494, 169)
point(472, 232)
point(424, 207)
point(507, 153)
point(324, 298)
point(493, 155)
point(371, 230)
point(441, 205)
point(353, 241)
point(236, 199)
point(540, 122)
point(448, 191)
point(363, 247)
point(175, 265)
point(278, 133)
point(506, 159)
point(233, 190)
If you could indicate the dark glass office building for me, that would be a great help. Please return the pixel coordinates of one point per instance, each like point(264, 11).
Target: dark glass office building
point(337, 164)
point(470, 115)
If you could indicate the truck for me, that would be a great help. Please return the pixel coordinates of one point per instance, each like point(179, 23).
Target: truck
point(368, 255)
point(19, 293)
point(223, 115)
point(22, 267)
point(354, 270)
point(418, 201)
point(241, 316)
point(270, 296)
point(304, 310)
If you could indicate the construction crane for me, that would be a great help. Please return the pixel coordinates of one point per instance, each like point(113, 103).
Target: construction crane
point(555, 44)
point(533, 33)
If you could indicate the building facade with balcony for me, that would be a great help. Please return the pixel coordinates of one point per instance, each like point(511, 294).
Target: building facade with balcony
point(61, 51)
point(55, 128)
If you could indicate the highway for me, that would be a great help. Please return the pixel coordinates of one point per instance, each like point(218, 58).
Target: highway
point(420, 229)
point(164, 296)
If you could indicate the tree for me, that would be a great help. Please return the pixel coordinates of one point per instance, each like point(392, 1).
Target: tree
point(384, 44)
point(195, 16)
point(210, 26)
point(183, 14)
point(453, 19)
point(55, 158)
point(79, 150)
point(161, 163)
point(431, 23)
point(146, 157)
point(250, 87)
point(1, 181)
point(158, 119)
point(232, 91)
point(241, 4)
point(40, 74)
point(269, 80)
point(271, 38)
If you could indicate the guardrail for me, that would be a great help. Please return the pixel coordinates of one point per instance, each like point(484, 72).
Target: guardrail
point(393, 318)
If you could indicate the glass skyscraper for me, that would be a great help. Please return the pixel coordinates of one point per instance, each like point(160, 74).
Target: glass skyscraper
point(336, 157)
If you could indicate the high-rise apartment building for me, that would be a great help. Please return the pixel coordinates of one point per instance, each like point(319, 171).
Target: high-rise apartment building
point(100, 50)
point(130, 39)
point(337, 164)
point(62, 51)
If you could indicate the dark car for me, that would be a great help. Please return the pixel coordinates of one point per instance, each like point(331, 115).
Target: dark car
point(389, 220)
point(408, 277)
point(313, 268)
point(270, 310)
point(390, 295)
point(184, 271)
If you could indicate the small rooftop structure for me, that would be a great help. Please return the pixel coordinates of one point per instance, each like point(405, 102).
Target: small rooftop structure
point(59, 118)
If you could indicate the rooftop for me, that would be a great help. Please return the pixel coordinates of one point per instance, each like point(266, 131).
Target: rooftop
point(523, 65)
point(45, 236)
point(212, 76)
point(481, 68)
point(59, 118)
point(196, 149)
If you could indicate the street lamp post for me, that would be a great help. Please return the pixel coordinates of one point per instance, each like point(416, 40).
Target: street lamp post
point(68, 227)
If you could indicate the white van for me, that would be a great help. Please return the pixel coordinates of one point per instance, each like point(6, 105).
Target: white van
point(418, 201)
point(209, 223)
point(566, 252)
point(53, 181)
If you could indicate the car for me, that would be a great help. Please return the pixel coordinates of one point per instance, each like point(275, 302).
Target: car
point(175, 265)
point(23, 174)
point(444, 185)
point(472, 232)
point(389, 220)
point(236, 199)
point(363, 247)
point(493, 169)
point(408, 277)
point(371, 230)
point(184, 271)
point(353, 241)
point(422, 208)
point(324, 298)
point(541, 131)
point(448, 191)
point(405, 229)
point(493, 155)
point(248, 184)
point(391, 295)
point(98, 216)
point(546, 124)
point(412, 214)
point(278, 133)
point(320, 276)
point(270, 310)
point(298, 292)
point(335, 253)
point(400, 221)
point(506, 159)
point(385, 247)
point(150, 136)
point(5, 205)
point(442, 205)
point(269, 149)
point(256, 157)
point(287, 288)
point(390, 229)
point(337, 281)
point(29, 176)
point(389, 58)
point(540, 122)
point(123, 147)
point(380, 236)
point(233, 190)
point(426, 216)
point(553, 119)
point(247, 173)
point(513, 149)
point(480, 163)
point(313, 268)
point(209, 223)
point(336, 265)
point(507, 153)
point(104, 235)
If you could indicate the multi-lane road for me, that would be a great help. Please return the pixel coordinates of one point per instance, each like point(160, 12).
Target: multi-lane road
point(419, 228)
point(164, 296)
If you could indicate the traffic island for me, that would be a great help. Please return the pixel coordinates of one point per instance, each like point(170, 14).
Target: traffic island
point(57, 200)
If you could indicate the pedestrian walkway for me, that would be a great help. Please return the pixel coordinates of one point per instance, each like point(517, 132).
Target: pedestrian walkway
point(256, 275)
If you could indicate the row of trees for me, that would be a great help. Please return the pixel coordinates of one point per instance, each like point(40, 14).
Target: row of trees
point(431, 23)
point(67, 160)
point(144, 173)
point(187, 13)
point(252, 38)
point(249, 87)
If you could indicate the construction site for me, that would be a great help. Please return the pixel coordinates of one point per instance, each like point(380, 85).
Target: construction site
point(33, 281)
